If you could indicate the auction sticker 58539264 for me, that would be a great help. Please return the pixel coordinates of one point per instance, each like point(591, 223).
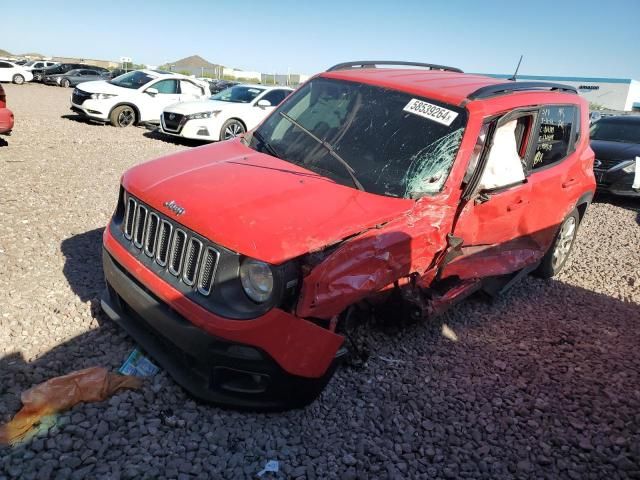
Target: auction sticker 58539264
point(430, 111)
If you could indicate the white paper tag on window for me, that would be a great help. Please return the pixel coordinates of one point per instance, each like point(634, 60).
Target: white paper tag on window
point(636, 178)
point(430, 111)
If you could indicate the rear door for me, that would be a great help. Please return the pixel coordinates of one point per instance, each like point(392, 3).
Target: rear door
point(554, 170)
point(492, 232)
point(189, 91)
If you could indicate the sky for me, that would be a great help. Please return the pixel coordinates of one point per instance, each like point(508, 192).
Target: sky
point(560, 38)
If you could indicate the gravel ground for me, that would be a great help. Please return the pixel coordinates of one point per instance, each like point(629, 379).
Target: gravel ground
point(542, 383)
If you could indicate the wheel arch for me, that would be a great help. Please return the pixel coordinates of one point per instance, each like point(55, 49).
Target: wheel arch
point(583, 203)
point(239, 120)
point(128, 104)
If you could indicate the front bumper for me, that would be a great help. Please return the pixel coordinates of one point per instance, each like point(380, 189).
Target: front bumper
point(91, 110)
point(616, 182)
point(6, 121)
point(273, 362)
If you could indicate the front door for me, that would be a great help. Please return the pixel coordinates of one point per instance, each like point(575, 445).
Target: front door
point(494, 222)
point(152, 104)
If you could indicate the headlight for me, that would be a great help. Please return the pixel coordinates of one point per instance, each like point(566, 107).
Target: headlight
point(199, 115)
point(257, 280)
point(102, 96)
point(630, 168)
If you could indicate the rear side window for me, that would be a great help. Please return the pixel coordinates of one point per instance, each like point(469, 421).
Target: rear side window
point(189, 88)
point(555, 135)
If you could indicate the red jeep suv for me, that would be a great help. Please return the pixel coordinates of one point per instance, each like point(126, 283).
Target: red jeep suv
point(237, 265)
point(6, 116)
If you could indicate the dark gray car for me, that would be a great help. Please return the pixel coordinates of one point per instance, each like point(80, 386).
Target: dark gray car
point(74, 77)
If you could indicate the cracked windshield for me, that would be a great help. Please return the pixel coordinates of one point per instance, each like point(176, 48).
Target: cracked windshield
point(389, 142)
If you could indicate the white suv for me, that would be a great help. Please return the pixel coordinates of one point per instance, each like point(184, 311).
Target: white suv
point(135, 97)
point(225, 115)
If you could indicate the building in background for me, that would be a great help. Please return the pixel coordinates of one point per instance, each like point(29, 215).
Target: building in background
point(602, 93)
point(241, 75)
point(291, 79)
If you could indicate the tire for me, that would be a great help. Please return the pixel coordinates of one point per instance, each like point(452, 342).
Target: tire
point(123, 116)
point(231, 129)
point(65, 83)
point(18, 79)
point(560, 250)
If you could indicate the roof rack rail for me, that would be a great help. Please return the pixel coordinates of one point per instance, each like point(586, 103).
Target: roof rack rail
point(373, 63)
point(503, 88)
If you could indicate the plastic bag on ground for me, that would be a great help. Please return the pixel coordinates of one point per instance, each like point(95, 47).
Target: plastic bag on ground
point(57, 394)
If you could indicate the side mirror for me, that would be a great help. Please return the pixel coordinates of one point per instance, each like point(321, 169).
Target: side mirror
point(152, 91)
point(263, 103)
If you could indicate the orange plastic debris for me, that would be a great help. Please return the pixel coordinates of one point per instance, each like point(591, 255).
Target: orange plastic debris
point(61, 393)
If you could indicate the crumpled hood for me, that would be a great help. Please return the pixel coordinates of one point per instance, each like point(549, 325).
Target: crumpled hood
point(615, 150)
point(255, 204)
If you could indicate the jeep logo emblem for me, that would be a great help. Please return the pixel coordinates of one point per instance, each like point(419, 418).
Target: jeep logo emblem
point(174, 207)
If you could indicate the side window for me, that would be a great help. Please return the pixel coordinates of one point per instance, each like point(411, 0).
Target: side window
point(189, 88)
point(276, 96)
point(5, 65)
point(166, 86)
point(554, 135)
point(38, 65)
point(504, 166)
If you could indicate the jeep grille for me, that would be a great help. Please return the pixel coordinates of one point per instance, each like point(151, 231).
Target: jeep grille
point(171, 246)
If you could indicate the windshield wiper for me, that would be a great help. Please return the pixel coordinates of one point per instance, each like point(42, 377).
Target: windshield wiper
point(266, 145)
point(329, 148)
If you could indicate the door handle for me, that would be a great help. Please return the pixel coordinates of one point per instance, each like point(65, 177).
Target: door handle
point(518, 204)
point(568, 183)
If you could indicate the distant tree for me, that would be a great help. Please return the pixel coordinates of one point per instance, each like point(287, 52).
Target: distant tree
point(596, 106)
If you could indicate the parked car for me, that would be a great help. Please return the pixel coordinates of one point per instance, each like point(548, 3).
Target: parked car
point(74, 77)
point(616, 143)
point(225, 115)
point(239, 266)
point(116, 72)
point(10, 72)
point(6, 115)
point(36, 67)
point(219, 85)
point(137, 96)
point(61, 68)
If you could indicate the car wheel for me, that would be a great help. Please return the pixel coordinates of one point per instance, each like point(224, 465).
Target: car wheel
point(231, 129)
point(558, 254)
point(65, 83)
point(122, 116)
point(18, 79)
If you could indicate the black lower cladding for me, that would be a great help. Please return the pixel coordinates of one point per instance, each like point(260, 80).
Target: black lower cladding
point(616, 182)
point(212, 369)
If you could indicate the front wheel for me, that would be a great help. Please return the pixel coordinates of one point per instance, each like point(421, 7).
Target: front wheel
point(122, 116)
point(558, 254)
point(65, 83)
point(231, 129)
point(18, 79)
